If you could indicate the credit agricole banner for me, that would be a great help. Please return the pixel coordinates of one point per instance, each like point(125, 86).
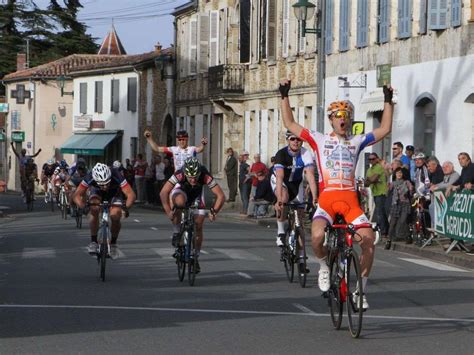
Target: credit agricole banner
point(454, 215)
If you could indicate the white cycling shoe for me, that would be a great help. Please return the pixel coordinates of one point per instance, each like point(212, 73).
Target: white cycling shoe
point(355, 299)
point(323, 280)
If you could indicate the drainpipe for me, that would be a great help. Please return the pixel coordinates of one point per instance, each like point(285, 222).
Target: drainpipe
point(34, 114)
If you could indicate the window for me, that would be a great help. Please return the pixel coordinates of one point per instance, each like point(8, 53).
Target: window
point(438, 14)
point(245, 8)
point(329, 26)
point(404, 18)
point(423, 16)
point(193, 46)
point(98, 96)
point(456, 13)
point(263, 21)
point(286, 28)
point(132, 95)
point(362, 23)
point(272, 29)
point(344, 25)
point(204, 55)
point(383, 21)
point(83, 98)
point(214, 39)
point(114, 95)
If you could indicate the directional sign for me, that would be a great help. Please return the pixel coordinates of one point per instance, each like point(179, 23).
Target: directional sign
point(3, 108)
point(18, 136)
point(384, 75)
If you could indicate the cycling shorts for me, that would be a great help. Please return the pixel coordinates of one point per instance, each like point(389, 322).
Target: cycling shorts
point(114, 197)
point(295, 190)
point(190, 199)
point(340, 202)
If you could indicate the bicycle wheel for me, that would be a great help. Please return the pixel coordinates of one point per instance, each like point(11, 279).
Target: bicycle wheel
point(181, 263)
point(103, 251)
point(287, 258)
point(300, 258)
point(337, 291)
point(64, 205)
point(354, 294)
point(192, 259)
point(29, 200)
point(51, 200)
point(78, 213)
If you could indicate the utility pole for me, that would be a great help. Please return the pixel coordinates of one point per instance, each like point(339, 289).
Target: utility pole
point(321, 64)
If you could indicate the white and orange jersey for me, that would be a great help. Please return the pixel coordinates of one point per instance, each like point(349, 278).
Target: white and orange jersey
point(180, 155)
point(337, 157)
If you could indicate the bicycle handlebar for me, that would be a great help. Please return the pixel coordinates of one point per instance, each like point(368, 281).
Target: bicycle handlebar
point(352, 228)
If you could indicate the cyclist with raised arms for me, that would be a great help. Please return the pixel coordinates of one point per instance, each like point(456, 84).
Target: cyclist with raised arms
point(337, 154)
point(47, 173)
point(181, 152)
point(109, 185)
point(185, 188)
point(287, 180)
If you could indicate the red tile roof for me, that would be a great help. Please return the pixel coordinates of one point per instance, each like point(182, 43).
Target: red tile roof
point(112, 44)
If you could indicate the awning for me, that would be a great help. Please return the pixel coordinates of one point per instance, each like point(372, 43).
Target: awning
point(372, 101)
point(90, 143)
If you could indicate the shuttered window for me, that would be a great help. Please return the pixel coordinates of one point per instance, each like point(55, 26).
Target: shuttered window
point(438, 14)
point(204, 57)
point(286, 28)
point(329, 26)
point(344, 10)
point(214, 39)
point(262, 19)
point(245, 8)
point(423, 16)
point(404, 18)
point(193, 46)
point(362, 23)
point(222, 38)
point(132, 94)
point(98, 102)
point(383, 21)
point(271, 29)
point(456, 13)
point(83, 98)
point(114, 95)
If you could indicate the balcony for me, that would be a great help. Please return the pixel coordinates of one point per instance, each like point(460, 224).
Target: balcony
point(226, 80)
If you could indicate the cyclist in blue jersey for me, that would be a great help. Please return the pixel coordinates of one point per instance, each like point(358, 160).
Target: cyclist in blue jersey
point(105, 184)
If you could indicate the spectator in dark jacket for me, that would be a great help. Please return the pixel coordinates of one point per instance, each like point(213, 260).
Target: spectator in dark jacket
point(436, 176)
point(466, 180)
point(263, 194)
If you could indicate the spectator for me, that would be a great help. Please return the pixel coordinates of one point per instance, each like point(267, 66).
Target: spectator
point(263, 195)
point(159, 177)
point(129, 173)
point(169, 168)
point(149, 183)
point(377, 181)
point(245, 181)
point(422, 179)
point(450, 176)
point(466, 180)
point(436, 176)
point(256, 166)
point(410, 151)
point(400, 209)
point(140, 169)
point(397, 153)
point(231, 170)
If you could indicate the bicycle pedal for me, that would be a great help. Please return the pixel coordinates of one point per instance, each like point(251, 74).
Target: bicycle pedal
point(325, 294)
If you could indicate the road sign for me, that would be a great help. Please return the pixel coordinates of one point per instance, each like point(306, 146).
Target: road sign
point(18, 136)
point(3, 137)
point(3, 108)
point(384, 75)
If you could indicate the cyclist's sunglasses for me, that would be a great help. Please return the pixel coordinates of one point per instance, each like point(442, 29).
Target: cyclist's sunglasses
point(292, 139)
point(342, 114)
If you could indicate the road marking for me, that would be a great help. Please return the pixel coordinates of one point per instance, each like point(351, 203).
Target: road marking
point(34, 253)
point(136, 220)
point(239, 254)
point(244, 275)
point(433, 265)
point(154, 228)
point(204, 252)
point(225, 311)
point(302, 308)
point(165, 253)
point(120, 253)
point(378, 262)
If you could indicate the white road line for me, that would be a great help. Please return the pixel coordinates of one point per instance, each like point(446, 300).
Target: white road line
point(433, 265)
point(204, 252)
point(384, 263)
point(302, 308)
point(36, 253)
point(225, 311)
point(239, 254)
point(165, 253)
point(136, 220)
point(120, 253)
point(154, 228)
point(244, 275)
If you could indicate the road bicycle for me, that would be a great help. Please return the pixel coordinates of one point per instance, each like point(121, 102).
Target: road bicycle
point(418, 228)
point(294, 251)
point(345, 273)
point(63, 201)
point(30, 193)
point(185, 254)
point(49, 195)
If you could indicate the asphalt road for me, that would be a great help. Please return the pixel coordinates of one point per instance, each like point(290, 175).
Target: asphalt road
point(51, 300)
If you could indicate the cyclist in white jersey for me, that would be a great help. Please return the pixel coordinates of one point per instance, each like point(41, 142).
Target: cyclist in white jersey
point(337, 154)
point(181, 151)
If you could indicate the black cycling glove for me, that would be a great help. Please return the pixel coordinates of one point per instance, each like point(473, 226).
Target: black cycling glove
point(125, 210)
point(285, 89)
point(387, 94)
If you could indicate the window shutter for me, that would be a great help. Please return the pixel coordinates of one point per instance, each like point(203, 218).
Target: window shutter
point(193, 46)
point(262, 20)
point(344, 26)
point(83, 98)
point(443, 14)
point(455, 13)
point(245, 8)
point(115, 96)
point(204, 62)
point(286, 28)
point(423, 17)
point(438, 14)
point(271, 30)
point(222, 38)
point(329, 26)
point(214, 39)
point(362, 28)
point(404, 18)
point(98, 96)
point(132, 95)
point(384, 20)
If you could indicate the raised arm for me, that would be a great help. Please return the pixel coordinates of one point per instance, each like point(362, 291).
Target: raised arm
point(287, 114)
point(387, 116)
point(155, 147)
point(14, 150)
point(200, 148)
point(35, 155)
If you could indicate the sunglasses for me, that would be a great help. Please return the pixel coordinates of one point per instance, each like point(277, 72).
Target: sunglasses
point(342, 114)
point(181, 139)
point(292, 139)
point(395, 148)
point(370, 159)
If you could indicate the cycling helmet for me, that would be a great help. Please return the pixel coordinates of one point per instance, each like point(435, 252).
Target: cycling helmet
point(288, 134)
point(57, 171)
point(63, 164)
point(192, 167)
point(419, 156)
point(117, 164)
point(50, 162)
point(101, 174)
point(344, 105)
point(182, 134)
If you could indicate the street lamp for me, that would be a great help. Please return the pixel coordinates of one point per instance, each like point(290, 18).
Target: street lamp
point(304, 11)
point(61, 81)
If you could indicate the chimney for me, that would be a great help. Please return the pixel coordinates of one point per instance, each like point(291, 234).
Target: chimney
point(158, 47)
point(20, 61)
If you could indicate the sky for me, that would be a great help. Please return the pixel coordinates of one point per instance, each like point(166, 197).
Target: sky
point(140, 24)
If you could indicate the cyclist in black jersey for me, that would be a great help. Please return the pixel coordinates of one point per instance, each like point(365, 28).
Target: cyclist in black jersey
point(47, 172)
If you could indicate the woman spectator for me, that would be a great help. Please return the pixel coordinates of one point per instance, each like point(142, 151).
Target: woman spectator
point(400, 209)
